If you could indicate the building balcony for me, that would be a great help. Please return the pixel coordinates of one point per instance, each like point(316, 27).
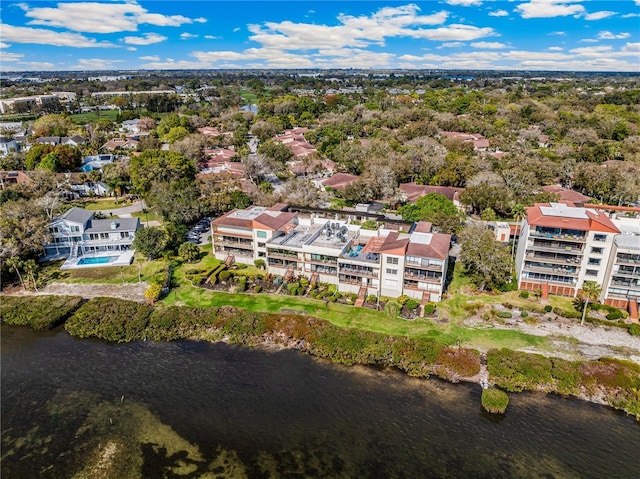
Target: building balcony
point(282, 255)
point(559, 258)
point(323, 260)
point(424, 266)
point(234, 243)
point(560, 234)
point(279, 263)
point(555, 247)
point(412, 276)
point(362, 272)
point(350, 280)
point(416, 286)
point(323, 269)
point(625, 283)
point(549, 278)
point(627, 271)
point(234, 251)
point(623, 258)
point(552, 269)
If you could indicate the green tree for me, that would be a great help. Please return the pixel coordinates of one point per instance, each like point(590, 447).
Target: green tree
point(590, 292)
point(189, 251)
point(23, 228)
point(427, 208)
point(177, 202)
point(150, 241)
point(116, 177)
point(159, 166)
point(53, 125)
point(35, 155)
point(153, 292)
point(15, 263)
point(276, 151)
point(487, 262)
point(50, 162)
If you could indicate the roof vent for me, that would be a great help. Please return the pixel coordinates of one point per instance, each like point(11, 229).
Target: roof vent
point(114, 225)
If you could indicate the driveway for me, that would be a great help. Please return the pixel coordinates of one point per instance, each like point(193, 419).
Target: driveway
point(125, 211)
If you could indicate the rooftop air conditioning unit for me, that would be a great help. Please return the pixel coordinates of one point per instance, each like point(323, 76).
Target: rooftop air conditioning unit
point(114, 225)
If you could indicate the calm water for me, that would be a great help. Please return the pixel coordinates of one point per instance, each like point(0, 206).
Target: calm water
point(194, 409)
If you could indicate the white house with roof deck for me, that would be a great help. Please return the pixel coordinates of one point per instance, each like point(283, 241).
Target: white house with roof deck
point(85, 241)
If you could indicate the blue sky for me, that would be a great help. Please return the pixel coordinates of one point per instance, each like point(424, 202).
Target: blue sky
point(567, 35)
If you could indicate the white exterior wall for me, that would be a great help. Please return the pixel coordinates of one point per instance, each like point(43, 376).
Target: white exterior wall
point(386, 288)
point(605, 258)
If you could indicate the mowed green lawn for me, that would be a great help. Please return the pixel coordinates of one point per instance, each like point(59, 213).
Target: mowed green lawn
point(82, 118)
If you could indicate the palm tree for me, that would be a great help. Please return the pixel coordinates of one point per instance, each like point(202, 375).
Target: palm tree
point(590, 291)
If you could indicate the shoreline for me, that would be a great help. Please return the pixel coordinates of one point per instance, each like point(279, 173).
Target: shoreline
point(117, 320)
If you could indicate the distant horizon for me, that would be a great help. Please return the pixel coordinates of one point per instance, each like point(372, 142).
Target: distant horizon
point(573, 36)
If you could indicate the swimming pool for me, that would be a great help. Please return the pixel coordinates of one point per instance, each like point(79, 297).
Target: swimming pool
point(98, 260)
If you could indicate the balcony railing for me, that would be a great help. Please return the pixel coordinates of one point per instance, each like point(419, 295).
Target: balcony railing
point(368, 272)
point(555, 247)
point(425, 266)
point(560, 234)
point(410, 275)
point(246, 244)
point(553, 258)
point(323, 260)
point(234, 251)
point(282, 254)
point(551, 268)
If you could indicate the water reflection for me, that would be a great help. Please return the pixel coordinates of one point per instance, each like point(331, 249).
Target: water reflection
point(193, 409)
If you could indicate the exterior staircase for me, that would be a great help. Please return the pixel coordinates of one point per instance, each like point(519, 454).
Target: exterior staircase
point(426, 298)
point(289, 275)
point(361, 297)
point(633, 309)
point(314, 279)
point(229, 260)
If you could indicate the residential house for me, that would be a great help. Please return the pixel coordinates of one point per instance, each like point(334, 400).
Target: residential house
point(480, 143)
point(413, 191)
point(77, 233)
point(8, 145)
point(339, 181)
point(60, 140)
point(566, 195)
point(120, 144)
point(8, 178)
point(294, 139)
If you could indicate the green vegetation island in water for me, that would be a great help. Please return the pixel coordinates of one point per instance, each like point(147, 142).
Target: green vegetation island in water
point(605, 381)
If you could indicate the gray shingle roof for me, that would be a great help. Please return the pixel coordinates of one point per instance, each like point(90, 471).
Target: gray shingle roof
point(104, 226)
point(77, 215)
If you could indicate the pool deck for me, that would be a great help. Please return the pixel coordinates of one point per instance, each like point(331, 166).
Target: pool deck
point(123, 259)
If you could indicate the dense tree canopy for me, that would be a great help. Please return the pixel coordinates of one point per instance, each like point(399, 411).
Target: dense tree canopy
point(153, 166)
point(487, 262)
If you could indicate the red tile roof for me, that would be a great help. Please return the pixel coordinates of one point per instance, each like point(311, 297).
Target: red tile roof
point(340, 181)
point(566, 194)
point(438, 247)
point(393, 245)
point(415, 191)
point(589, 221)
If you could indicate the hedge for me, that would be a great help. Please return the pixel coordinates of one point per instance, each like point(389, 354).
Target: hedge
point(111, 319)
point(494, 400)
point(38, 312)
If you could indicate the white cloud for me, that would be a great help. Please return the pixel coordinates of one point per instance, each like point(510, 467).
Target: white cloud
point(557, 33)
point(186, 35)
point(451, 45)
point(237, 29)
point(94, 17)
point(33, 66)
point(555, 49)
point(212, 37)
point(4, 45)
point(612, 36)
point(464, 3)
point(491, 45)
point(632, 48)
point(630, 15)
point(41, 36)
point(150, 58)
point(599, 15)
point(549, 8)
point(11, 57)
point(454, 32)
point(96, 64)
point(499, 13)
point(146, 39)
point(132, 49)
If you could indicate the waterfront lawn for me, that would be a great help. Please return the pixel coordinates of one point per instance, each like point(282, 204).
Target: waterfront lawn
point(151, 271)
point(102, 204)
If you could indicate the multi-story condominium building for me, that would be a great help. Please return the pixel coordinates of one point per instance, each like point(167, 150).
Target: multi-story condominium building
point(623, 286)
point(562, 246)
point(367, 262)
point(76, 234)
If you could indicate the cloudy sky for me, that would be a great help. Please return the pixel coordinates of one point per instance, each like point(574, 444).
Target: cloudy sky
point(569, 35)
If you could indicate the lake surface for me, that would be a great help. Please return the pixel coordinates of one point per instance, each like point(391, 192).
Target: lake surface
point(194, 409)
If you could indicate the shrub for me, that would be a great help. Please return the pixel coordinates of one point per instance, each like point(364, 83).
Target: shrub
point(504, 314)
point(615, 315)
point(111, 319)
point(292, 288)
point(372, 298)
point(458, 362)
point(260, 264)
point(494, 400)
point(153, 292)
point(567, 314)
point(304, 282)
point(412, 304)
point(634, 329)
point(548, 308)
point(429, 309)
point(392, 308)
point(402, 299)
point(225, 275)
point(257, 288)
point(516, 371)
point(39, 312)
point(524, 294)
point(524, 314)
point(242, 283)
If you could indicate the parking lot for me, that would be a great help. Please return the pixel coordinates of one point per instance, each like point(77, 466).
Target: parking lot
point(200, 232)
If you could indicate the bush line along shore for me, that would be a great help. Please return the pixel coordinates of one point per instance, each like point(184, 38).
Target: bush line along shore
point(605, 381)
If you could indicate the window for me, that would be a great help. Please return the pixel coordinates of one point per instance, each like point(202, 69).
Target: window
point(591, 272)
point(392, 260)
point(261, 234)
point(594, 261)
point(261, 245)
point(597, 250)
point(599, 237)
point(75, 229)
point(392, 271)
point(391, 282)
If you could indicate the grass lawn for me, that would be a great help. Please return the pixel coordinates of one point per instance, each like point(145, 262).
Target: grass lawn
point(82, 118)
point(149, 215)
point(151, 270)
point(249, 97)
point(102, 204)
